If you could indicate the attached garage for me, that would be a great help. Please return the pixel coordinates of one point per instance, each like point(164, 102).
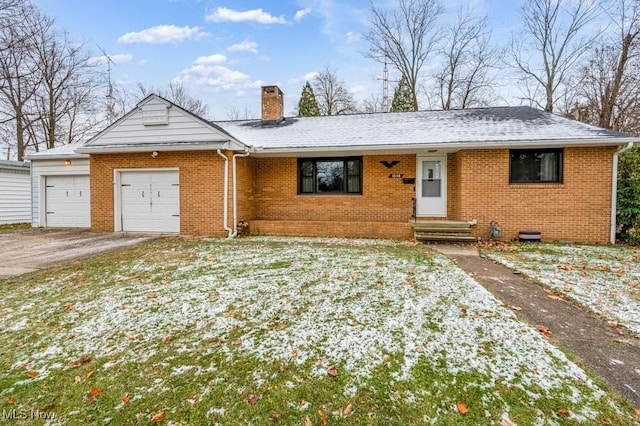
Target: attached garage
point(67, 202)
point(148, 200)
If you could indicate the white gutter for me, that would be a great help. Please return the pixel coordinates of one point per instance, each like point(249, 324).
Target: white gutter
point(517, 144)
point(614, 191)
point(225, 213)
point(235, 191)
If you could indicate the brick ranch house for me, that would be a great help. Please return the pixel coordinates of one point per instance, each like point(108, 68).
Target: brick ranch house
point(160, 168)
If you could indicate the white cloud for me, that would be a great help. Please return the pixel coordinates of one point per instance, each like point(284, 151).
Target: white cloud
point(259, 16)
point(301, 14)
point(117, 59)
point(142, 62)
point(207, 74)
point(310, 75)
point(163, 34)
point(244, 46)
point(211, 59)
point(353, 37)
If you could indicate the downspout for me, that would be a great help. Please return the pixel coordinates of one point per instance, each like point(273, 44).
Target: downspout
point(614, 190)
point(235, 191)
point(225, 213)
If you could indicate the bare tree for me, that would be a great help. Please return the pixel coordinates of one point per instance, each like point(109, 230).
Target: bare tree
point(19, 74)
point(610, 80)
point(470, 57)
point(373, 103)
point(406, 35)
point(331, 93)
point(68, 83)
point(556, 30)
point(235, 113)
point(176, 93)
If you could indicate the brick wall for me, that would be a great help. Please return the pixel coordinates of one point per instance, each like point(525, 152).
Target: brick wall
point(384, 203)
point(576, 210)
point(201, 191)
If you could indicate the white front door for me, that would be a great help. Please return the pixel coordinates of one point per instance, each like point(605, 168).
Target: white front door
point(150, 201)
point(431, 186)
point(67, 202)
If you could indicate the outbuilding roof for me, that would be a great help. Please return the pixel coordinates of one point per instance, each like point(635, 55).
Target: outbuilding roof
point(453, 129)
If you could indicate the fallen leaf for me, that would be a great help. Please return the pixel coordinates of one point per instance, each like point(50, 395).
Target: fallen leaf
point(307, 421)
point(131, 337)
point(464, 311)
point(294, 352)
point(10, 400)
point(462, 408)
point(19, 344)
point(93, 394)
point(151, 295)
point(125, 398)
point(419, 349)
point(77, 379)
point(333, 372)
point(553, 297)
point(637, 410)
point(613, 324)
point(47, 407)
point(31, 374)
point(355, 323)
point(564, 411)
point(85, 359)
point(238, 342)
point(89, 374)
point(506, 422)
point(25, 366)
point(275, 416)
point(515, 308)
point(323, 418)
point(347, 410)
point(157, 418)
point(166, 340)
point(544, 330)
point(252, 399)
point(74, 365)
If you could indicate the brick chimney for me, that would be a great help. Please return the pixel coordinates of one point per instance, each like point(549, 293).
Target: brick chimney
point(272, 105)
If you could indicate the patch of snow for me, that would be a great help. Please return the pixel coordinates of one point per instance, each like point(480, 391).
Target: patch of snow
point(606, 280)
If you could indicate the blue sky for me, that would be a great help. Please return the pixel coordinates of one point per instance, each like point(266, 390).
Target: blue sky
point(223, 51)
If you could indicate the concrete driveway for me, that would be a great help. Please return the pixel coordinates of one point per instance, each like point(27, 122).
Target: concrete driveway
point(28, 250)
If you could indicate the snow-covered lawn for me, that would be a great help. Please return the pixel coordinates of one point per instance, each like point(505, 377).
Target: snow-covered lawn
point(268, 330)
point(605, 279)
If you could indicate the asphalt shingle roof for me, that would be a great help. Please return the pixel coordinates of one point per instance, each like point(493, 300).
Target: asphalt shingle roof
point(512, 125)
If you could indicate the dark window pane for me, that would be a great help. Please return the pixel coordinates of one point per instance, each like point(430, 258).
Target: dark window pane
point(330, 176)
point(536, 166)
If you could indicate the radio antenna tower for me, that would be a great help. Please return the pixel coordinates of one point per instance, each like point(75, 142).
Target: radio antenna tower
point(111, 108)
point(385, 85)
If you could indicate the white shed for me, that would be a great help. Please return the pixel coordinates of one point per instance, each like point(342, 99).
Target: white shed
point(60, 193)
point(15, 198)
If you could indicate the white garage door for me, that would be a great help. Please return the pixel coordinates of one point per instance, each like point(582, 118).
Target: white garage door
point(67, 202)
point(150, 201)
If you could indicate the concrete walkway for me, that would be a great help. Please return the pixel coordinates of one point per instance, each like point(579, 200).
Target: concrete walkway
point(599, 347)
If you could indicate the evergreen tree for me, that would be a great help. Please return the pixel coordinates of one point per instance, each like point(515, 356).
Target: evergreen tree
point(403, 97)
point(308, 106)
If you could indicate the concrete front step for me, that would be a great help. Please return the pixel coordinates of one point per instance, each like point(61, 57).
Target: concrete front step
point(427, 236)
point(442, 230)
